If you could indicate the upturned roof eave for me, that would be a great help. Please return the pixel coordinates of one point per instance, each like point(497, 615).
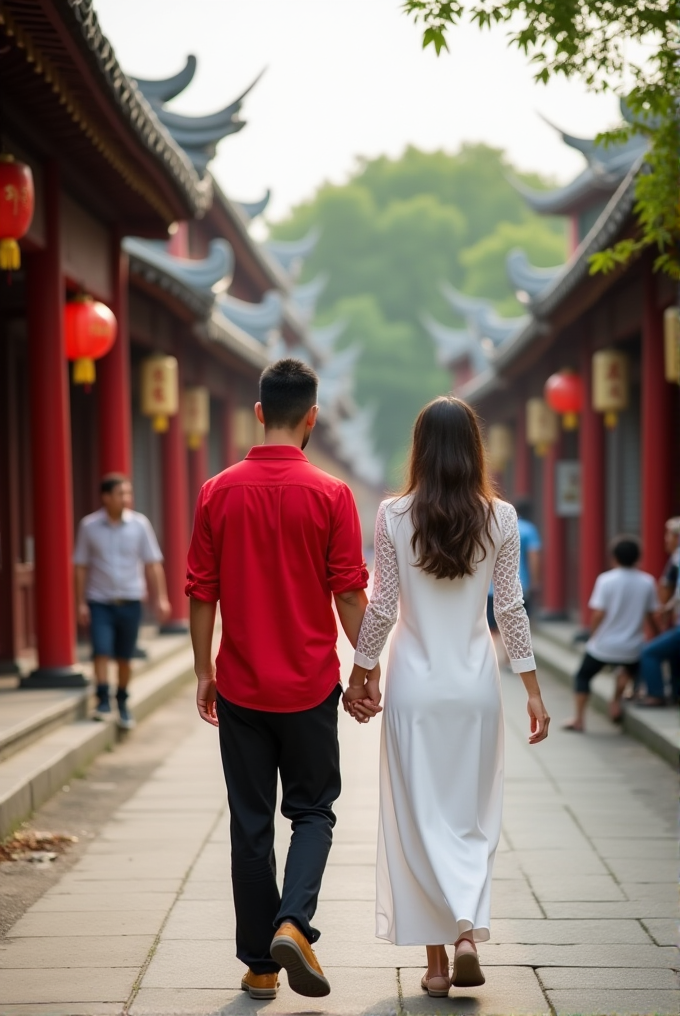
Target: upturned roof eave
point(603, 232)
point(130, 106)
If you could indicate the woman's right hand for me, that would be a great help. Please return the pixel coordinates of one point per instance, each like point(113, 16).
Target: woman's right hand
point(539, 719)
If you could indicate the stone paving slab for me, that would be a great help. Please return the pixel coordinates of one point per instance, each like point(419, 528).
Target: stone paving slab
point(624, 1003)
point(366, 990)
point(62, 1009)
point(507, 990)
point(571, 978)
point(62, 951)
point(54, 986)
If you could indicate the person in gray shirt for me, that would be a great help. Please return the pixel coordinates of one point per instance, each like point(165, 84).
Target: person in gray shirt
point(117, 561)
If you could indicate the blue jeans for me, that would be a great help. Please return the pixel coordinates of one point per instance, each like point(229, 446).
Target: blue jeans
point(114, 628)
point(663, 647)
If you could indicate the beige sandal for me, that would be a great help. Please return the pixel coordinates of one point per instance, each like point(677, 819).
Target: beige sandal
point(436, 987)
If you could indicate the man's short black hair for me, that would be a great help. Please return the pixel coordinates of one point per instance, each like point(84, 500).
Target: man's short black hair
point(287, 392)
point(111, 481)
point(522, 506)
point(626, 550)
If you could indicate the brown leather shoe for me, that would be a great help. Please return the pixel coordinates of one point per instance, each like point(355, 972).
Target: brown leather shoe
point(260, 985)
point(291, 950)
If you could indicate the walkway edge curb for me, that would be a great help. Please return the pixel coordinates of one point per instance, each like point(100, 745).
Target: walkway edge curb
point(553, 657)
point(31, 776)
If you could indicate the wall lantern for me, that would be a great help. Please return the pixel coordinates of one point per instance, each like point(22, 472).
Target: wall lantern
point(541, 426)
point(195, 415)
point(499, 446)
point(89, 332)
point(610, 384)
point(564, 394)
point(160, 390)
point(671, 334)
point(17, 203)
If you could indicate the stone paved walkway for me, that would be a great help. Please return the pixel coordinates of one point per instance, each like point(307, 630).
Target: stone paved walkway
point(584, 899)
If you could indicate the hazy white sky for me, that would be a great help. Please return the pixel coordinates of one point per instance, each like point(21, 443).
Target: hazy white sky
point(346, 78)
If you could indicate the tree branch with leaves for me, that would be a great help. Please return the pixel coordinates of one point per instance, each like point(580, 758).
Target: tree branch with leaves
point(591, 40)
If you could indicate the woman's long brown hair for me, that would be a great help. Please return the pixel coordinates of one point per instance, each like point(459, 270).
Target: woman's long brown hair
point(452, 504)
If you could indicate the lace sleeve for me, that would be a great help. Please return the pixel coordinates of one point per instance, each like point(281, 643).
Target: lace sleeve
point(508, 602)
point(381, 613)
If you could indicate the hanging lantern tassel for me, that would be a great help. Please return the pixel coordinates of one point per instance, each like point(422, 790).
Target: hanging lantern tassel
point(84, 372)
point(160, 423)
point(10, 255)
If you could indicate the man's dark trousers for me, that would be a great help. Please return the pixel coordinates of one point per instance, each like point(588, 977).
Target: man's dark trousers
point(303, 748)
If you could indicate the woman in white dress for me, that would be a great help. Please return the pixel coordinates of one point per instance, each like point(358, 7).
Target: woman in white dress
point(438, 546)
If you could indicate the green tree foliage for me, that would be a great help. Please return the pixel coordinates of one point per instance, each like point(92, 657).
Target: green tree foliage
point(389, 237)
point(591, 39)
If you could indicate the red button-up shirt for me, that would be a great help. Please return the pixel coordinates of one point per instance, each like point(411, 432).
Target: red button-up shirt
point(273, 538)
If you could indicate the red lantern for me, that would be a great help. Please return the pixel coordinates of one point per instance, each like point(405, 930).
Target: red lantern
point(17, 201)
point(90, 329)
point(564, 393)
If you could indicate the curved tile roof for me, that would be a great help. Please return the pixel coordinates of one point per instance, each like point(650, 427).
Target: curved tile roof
point(305, 296)
point(197, 135)
point(607, 166)
point(164, 89)
point(454, 344)
point(257, 319)
point(323, 337)
point(291, 253)
point(199, 274)
point(526, 279)
point(132, 105)
point(480, 316)
point(251, 209)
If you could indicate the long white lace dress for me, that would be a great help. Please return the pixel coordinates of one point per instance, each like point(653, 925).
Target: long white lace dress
point(441, 756)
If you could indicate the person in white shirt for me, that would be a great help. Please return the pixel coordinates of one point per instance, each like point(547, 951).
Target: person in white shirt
point(117, 559)
point(622, 602)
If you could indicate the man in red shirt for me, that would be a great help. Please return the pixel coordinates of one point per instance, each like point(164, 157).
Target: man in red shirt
point(275, 541)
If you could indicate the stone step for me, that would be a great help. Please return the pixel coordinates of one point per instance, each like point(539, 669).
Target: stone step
point(659, 729)
point(28, 715)
point(33, 773)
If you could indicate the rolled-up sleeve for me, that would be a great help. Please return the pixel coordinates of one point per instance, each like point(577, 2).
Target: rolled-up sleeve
point(346, 567)
point(203, 575)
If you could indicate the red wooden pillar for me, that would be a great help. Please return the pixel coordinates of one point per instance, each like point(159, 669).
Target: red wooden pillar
point(51, 457)
point(113, 381)
point(553, 526)
point(592, 524)
point(228, 447)
point(198, 472)
point(657, 438)
point(522, 455)
point(175, 523)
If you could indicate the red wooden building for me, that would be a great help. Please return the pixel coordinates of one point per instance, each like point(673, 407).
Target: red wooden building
point(112, 184)
point(590, 483)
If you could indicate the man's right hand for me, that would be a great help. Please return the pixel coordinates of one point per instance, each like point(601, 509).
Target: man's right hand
point(83, 614)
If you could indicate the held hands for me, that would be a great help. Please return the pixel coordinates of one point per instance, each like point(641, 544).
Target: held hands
point(362, 697)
